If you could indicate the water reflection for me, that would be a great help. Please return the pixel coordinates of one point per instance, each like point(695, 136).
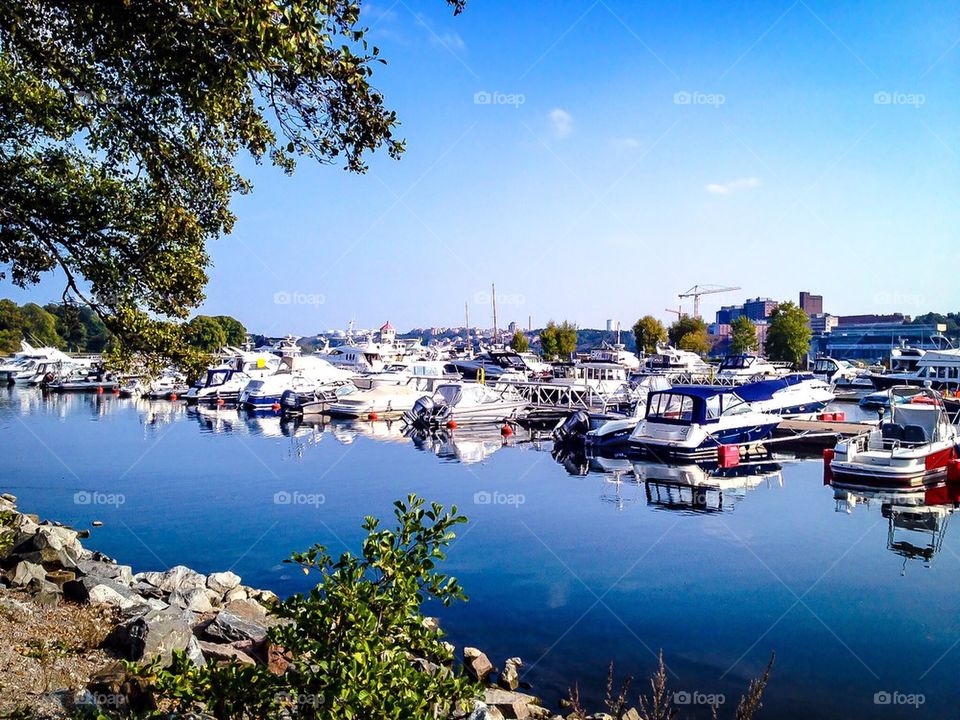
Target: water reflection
point(916, 520)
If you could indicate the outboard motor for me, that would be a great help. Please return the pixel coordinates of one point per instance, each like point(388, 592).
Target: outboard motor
point(421, 413)
point(290, 402)
point(573, 428)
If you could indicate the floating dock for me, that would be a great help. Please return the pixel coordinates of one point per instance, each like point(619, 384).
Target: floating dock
point(814, 435)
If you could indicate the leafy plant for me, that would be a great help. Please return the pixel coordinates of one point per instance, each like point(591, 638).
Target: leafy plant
point(649, 333)
point(519, 342)
point(743, 335)
point(354, 642)
point(788, 337)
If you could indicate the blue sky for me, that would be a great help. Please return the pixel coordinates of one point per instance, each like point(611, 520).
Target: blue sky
point(624, 152)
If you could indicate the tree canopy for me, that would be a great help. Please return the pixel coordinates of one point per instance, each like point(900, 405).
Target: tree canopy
point(743, 335)
point(788, 337)
point(519, 342)
point(684, 326)
point(649, 333)
point(558, 341)
point(120, 126)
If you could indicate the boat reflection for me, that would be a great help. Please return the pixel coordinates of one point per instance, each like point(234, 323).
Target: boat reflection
point(466, 445)
point(916, 521)
point(698, 489)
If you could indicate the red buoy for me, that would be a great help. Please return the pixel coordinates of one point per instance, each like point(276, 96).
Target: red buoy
point(173, 396)
point(219, 402)
point(828, 455)
point(116, 391)
point(275, 406)
point(452, 424)
point(373, 416)
point(728, 456)
point(99, 390)
point(506, 431)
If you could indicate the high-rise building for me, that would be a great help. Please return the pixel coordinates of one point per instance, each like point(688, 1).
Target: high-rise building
point(728, 313)
point(609, 325)
point(811, 304)
point(759, 308)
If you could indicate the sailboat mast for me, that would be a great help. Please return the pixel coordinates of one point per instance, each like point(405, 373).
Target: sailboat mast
point(466, 321)
point(493, 288)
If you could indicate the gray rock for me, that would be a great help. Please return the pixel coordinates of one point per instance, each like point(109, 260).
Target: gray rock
point(26, 572)
point(200, 600)
point(111, 571)
point(482, 711)
point(195, 652)
point(98, 590)
point(477, 665)
point(228, 627)
point(50, 545)
point(176, 578)
point(237, 593)
point(14, 609)
point(509, 677)
point(217, 652)
point(156, 634)
point(223, 582)
point(513, 705)
point(106, 595)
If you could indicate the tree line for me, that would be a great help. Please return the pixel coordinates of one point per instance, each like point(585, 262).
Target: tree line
point(77, 328)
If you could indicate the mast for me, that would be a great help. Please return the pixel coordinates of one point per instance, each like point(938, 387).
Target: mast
point(494, 296)
point(466, 321)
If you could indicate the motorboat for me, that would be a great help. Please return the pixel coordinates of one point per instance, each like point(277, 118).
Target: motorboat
point(169, 385)
point(912, 447)
point(939, 369)
point(882, 399)
point(380, 400)
point(747, 368)
point(32, 365)
point(675, 364)
point(423, 373)
point(797, 395)
point(840, 373)
point(225, 382)
point(93, 379)
point(696, 421)
point(463, 403)
point(303, 374)
point(617, 353)
point(316, 403)
point(600, 430)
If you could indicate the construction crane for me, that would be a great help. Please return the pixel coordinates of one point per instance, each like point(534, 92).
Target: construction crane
point(678, 313)
point(697, 290)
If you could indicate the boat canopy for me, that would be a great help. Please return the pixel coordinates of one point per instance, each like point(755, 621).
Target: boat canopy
point(765, 389)
point(688, 405)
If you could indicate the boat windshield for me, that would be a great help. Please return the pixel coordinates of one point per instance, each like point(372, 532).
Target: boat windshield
point(449, 393)
point(216, 378)
point(737, 362)
point(670, 406)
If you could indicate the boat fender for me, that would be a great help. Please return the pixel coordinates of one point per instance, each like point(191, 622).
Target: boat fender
point(373, 416)
point(452, 424)
point(828, 455)
point(173, 396)
point(275, 406)
point(953, 471)
point(506, 431)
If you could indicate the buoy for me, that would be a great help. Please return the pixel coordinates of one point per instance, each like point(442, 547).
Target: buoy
point(173, 396)
point(506, 431)
point(99, 390)
point(728, 456)
point(116, 391)
point(828, 455)
point(373, 416)
point(275, 406)
point(452, 424)
point(97, 523)
point(219, 402)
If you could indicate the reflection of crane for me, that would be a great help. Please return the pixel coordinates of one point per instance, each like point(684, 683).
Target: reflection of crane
point(697, 290)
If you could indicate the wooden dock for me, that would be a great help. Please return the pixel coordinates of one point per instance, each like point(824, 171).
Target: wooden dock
point(814, 435)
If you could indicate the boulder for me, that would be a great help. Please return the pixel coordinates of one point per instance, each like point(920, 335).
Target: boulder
point(513, 705)
point(200, 600)
point(195, 652)
point(176, 578)
point(509, 677)
point(217, 652)
point(264, 597)
point(223, 582)
point(247, 609)
point(14, 609)
point(482, 711)
point(25, 572)
point(107, 595)
point(50, 545)
point(158, 633)
point(228, 626)
point(111, 571)
point(237, 593)
point(278, 659)
point(102, 591)
point(477, 665)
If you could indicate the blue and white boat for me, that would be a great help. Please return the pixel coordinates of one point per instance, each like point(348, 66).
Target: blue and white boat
point(798, 395)
point(693, 422)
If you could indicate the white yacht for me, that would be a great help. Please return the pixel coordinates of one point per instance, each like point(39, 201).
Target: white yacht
point(369, 356)
point(227, 380)
point(380, 400)
point(602, 376)
point(939, 369)
point(424, 373)
point(31, 365)
point(615, 354)
point(462, 403)
point(797, 395)
point(748, 368)
point(674, 364)
point(304, 374)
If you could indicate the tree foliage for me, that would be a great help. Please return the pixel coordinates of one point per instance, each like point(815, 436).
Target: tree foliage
point(649, 333)
point(519, 342)
point(558, 341)
point(353, 642)
point(120, 126)
point(684, 326)
point(233, 329)
point(205, 333)
point(788, 337)
point(743, 335)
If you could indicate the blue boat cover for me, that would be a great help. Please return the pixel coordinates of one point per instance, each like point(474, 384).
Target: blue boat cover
point(764, 389)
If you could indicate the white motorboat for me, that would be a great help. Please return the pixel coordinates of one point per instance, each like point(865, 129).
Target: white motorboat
point(423, 373)
point(939, 369)
point(226, 381)
point(601, 376)
point(302, 374)
point(736, 369)
point(675, 364)
point(797, 395)
point(32, 365)
point(914, 446)
point(379, 400)
point(696, 421)
point(464, 403)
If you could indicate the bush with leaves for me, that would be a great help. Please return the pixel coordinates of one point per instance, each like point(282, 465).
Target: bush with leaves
point(353, 642)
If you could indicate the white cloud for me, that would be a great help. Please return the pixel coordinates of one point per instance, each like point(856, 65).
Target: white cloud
point(562, 122)
point(451, 41)
point(627, 143)
point(733, 186)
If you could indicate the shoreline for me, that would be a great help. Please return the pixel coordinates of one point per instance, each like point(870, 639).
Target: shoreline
point(48, 576)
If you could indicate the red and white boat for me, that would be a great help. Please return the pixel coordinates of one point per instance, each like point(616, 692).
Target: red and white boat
point(913, 447)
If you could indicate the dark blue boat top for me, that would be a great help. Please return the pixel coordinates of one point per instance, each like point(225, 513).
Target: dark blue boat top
point(764, 389)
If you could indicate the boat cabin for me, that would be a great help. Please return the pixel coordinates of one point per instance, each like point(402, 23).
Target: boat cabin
point(693, 404)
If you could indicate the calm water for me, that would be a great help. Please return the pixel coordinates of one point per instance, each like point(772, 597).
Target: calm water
point(568, 567)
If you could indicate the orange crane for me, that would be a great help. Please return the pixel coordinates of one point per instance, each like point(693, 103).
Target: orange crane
point(697, 290)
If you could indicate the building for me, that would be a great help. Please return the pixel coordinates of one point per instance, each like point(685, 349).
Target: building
point(872, 342)
point(609, 325)
point(512, 328)
point(811, 304)
point(759, 308)
point(823, 323)
point(895, 318)
point(728, 313)
point(388, 333)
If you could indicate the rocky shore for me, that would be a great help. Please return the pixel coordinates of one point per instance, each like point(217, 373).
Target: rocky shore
point(73, 614)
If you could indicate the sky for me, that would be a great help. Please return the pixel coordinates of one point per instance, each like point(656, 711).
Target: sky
point(596, 158)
